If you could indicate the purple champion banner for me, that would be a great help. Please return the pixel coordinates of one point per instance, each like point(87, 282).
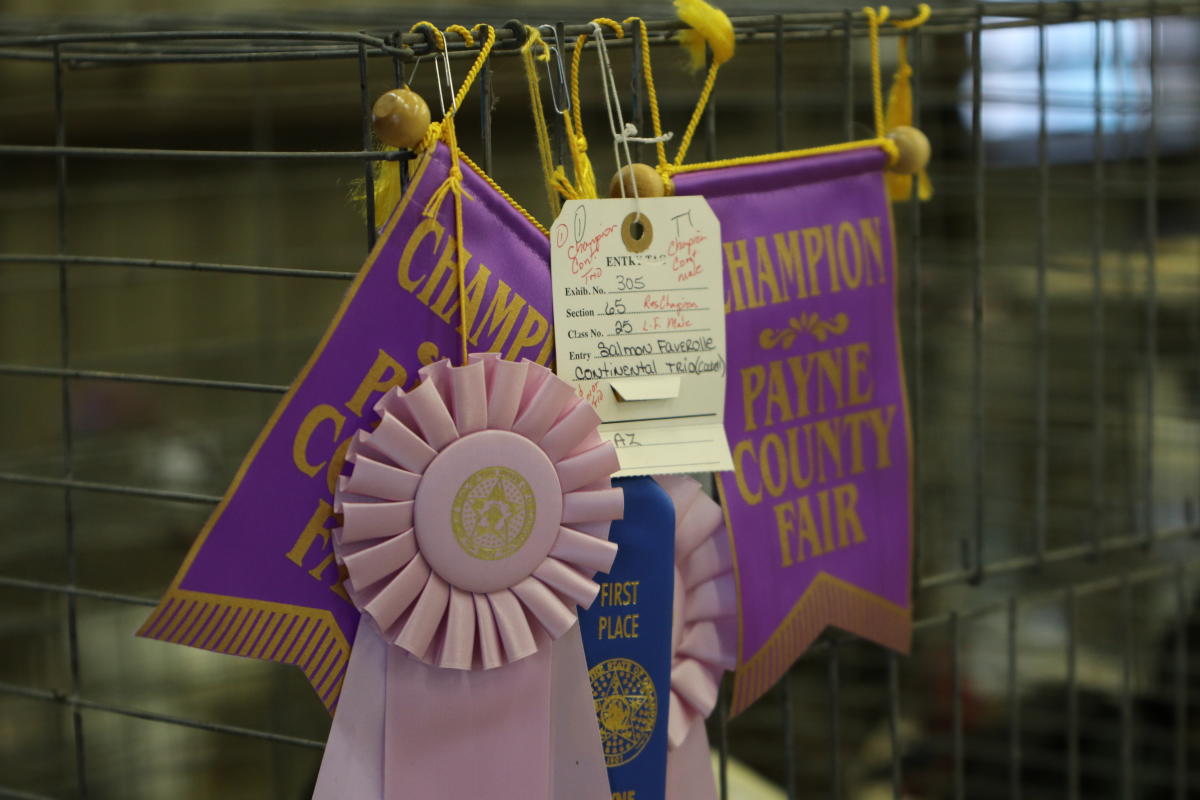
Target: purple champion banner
point(261, 580)
point(819, 506)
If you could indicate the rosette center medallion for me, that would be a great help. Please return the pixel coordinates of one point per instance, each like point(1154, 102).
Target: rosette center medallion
point(493, 513)
point(488, 510)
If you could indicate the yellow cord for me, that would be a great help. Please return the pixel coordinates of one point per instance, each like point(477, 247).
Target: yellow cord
point(432, 29)
point(500, 191)
point(613, 25)
point(900, 110)
point(585, 179)
point(874, 20)
point(707, 25)
point(463, 33)
point(697, 113)
point(485, 50)
point(575, 118)
point(660, 147)
point(923, 14)
point(884, 144)
point(453, 184)
point(576, 112)
point(666, 169)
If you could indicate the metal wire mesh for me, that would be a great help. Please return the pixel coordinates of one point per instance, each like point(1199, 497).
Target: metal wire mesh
point(1051, 322)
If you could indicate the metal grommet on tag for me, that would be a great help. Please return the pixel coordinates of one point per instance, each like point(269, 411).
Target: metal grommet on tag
point(636, 232)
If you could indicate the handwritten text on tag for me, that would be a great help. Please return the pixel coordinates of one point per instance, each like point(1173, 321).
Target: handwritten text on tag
point(640, 327)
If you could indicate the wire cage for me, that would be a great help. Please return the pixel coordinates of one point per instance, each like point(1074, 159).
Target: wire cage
point(177, 229)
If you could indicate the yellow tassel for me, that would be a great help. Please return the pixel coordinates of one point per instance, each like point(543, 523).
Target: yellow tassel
point(900, 112)
point(387, 179)
point(899, 102)
point(386, 182)
point(707, 25)
point(585, 177)
point(387, 189)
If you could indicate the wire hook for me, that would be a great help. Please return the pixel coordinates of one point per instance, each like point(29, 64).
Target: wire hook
point(434, 41)
point(447, 80)
point(621, 131)
point(557, 88)
point(412, 76)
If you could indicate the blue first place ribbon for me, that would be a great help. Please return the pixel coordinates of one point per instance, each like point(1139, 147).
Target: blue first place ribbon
point(627, 640)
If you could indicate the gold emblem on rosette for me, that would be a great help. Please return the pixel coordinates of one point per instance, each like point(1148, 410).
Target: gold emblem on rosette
point(493, 513)
point(626, 708)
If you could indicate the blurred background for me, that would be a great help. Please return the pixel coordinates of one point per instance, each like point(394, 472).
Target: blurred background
point(1051, 319)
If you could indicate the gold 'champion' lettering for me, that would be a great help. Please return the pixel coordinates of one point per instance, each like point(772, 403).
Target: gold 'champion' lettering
point(503, 322)
point(797, 264)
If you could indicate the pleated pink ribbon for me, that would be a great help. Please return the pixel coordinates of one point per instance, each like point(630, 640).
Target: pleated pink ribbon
point(475, 517)
point(703, 635)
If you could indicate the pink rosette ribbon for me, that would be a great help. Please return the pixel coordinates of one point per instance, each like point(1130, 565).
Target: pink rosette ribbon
point(475, 517)
point(703, 634)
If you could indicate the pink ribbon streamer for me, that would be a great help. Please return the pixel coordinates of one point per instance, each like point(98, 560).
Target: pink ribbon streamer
point(352, 766)
point(442, 733)
point(454, 733)
point(689, 767)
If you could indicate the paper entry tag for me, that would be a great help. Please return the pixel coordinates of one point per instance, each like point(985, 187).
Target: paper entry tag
point(639, 324)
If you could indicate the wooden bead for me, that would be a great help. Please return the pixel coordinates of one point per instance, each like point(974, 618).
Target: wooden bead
point(647, 180)
point(400, 118)
point(912, 148)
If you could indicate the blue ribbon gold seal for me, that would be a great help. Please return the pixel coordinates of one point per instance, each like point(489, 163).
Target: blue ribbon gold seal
point(627, 640)
point(626, 708)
